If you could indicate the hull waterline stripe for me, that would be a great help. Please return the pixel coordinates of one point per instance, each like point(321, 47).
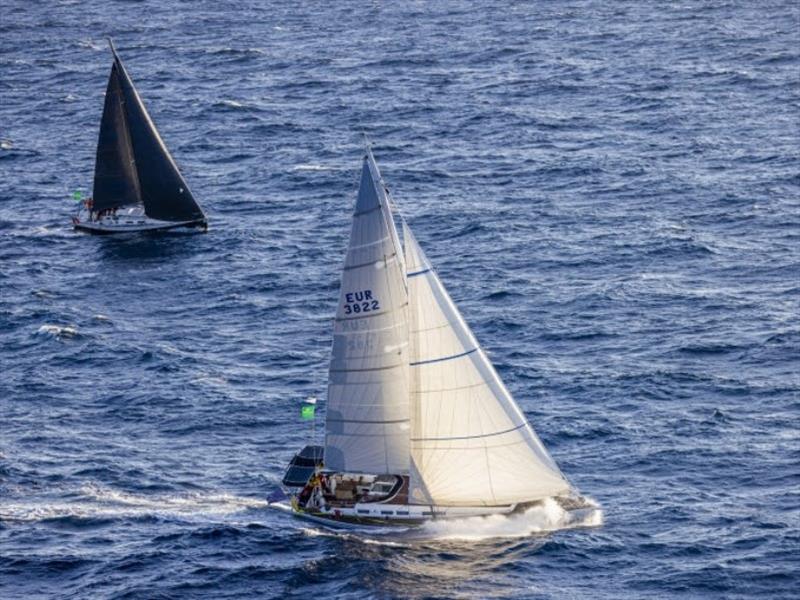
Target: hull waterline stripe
point(435, 360)
point(468, 437)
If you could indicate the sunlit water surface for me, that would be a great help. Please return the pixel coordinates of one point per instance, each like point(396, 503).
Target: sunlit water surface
point(609, 190)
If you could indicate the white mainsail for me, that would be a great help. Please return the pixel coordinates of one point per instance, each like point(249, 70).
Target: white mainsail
point(470, 443)
point(367, 418)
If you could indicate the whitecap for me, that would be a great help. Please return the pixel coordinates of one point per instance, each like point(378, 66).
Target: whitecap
point(312, 167)
point(57, 331)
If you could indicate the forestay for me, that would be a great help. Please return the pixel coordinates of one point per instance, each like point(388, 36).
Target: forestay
point(367, 419)
point(470, 443)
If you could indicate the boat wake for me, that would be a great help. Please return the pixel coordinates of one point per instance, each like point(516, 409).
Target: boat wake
point(546, 516)
point(94, 502)
point(367, 535)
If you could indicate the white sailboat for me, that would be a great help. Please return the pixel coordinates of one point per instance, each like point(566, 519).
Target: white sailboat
point(418, 425)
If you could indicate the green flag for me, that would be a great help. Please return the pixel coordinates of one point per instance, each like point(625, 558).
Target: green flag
point(77, 195)
point(307, 412)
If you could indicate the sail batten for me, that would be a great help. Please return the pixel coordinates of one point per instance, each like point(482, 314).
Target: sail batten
point(468, 437)
point(442, 358)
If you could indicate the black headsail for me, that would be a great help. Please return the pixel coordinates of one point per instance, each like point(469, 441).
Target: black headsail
point(115, 180)
point(156, 180)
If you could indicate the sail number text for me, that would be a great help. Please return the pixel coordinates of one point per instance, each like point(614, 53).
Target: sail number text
point(360, 302)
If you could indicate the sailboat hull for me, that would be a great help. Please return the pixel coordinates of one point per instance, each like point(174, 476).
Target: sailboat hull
point(140, 226)
point(394, 515)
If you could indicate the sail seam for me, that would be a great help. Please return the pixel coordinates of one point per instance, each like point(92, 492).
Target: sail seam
point(468, 437)
point(427, 329)
point(373, 330)
point(443, 358)
point(396, 349)
point(375, 243)
point(415, 273)
point(372, 262)
point(451, 389)
point(366, 212)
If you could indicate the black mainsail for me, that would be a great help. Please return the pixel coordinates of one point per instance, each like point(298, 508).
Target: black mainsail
point(133, 165)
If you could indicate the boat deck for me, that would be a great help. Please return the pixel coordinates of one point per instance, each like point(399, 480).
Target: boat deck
point(347, 496)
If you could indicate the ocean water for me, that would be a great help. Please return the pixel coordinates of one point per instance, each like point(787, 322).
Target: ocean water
point(611, 192)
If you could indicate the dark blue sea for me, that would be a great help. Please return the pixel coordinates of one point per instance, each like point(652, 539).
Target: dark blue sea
point(610, 191)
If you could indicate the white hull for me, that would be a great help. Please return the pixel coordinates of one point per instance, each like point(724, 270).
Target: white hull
point(409, 515)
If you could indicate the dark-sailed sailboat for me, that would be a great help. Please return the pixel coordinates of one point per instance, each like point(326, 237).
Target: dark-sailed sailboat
point(137, 185)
